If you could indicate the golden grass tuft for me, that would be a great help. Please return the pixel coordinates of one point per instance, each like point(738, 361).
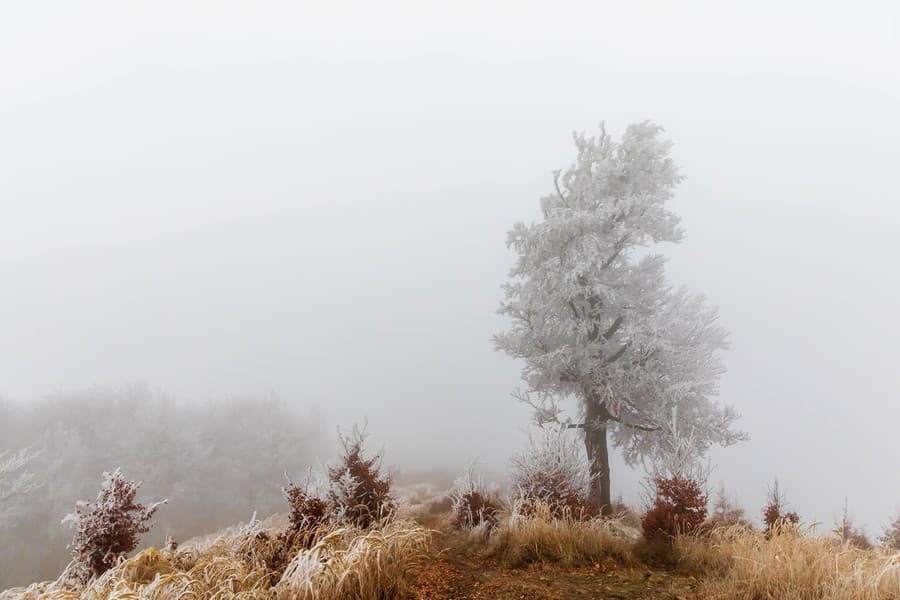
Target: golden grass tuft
point(345, 564)
point(543, 536)
point(242, 564)
point(743, 564)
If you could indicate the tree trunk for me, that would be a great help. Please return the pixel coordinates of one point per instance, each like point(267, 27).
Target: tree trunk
point(598, 457)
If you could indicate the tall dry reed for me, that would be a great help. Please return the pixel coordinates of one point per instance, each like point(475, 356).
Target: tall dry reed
point(743, 564)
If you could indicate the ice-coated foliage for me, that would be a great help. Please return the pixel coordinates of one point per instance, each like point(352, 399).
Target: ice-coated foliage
point(15, 479)
point(552, 469)
point(678, 455)
point(592, 313)
point(359, 491)
point(307, 510)
point(474, 504)
point(108, 528)
point(891, 535)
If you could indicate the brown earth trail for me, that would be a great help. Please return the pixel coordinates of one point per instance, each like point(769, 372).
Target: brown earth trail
point(467, 572)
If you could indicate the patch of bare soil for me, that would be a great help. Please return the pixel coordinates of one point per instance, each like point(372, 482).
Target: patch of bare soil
point(457, 572)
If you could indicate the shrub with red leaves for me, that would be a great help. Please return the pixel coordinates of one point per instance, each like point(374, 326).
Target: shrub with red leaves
point(109, 528)
point(474, 509)
point(775, 514)
point(473, 504)
point(773, 517)
point(307, 510)
point(358, 490)
point(678, 506)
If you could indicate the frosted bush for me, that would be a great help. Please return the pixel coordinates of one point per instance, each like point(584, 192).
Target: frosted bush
point(474, 505)
point(358, 491)
point(108, 528)
point(552, 469)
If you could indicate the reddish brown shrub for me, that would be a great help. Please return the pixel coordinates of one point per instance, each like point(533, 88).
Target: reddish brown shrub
point(359, 492)
point(848, 533)
point(775, 514)
point(107, 529)
point(678, 506)
point(473, 505)
point(307, 510)
point(475, 508)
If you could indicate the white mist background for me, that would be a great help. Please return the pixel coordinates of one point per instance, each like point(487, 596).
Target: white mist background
point(225, 198)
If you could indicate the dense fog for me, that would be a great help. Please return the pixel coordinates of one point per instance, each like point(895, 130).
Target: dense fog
point(289, 217)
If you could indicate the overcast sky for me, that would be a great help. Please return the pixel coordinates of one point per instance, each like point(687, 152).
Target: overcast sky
point(226, 198)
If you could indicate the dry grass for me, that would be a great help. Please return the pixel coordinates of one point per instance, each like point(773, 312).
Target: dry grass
point(541, 536)
point(792, 565)
point(252, 563)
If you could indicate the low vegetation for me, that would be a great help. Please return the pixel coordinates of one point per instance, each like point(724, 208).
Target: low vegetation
point(343, 562)
point(788, 563)
point(350, 535)
point(543, 535)
point(775, 514)
point(678, 507)
point(552, 471)
point(109, 528)
point(473, 505)
point(359, 490)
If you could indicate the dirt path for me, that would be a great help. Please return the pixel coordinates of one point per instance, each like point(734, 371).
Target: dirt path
point(466, 573)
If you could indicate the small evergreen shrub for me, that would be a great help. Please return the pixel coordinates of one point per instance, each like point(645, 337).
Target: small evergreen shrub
point(725, 513)
point(848, 533)
point(358, 491)
point(678, 506)
point(775, 514)
point(109, 528)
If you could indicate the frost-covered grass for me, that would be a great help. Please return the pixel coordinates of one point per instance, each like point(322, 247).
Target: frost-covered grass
point(736, 562)
point(543, 535)
point(744, 564)
point(251, 562)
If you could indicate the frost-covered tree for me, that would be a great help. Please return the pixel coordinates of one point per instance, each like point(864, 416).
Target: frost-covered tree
point(891, 536)
point(593, 316)
point(15, 479)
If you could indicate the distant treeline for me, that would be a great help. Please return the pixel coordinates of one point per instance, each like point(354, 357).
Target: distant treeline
point(216, 462)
